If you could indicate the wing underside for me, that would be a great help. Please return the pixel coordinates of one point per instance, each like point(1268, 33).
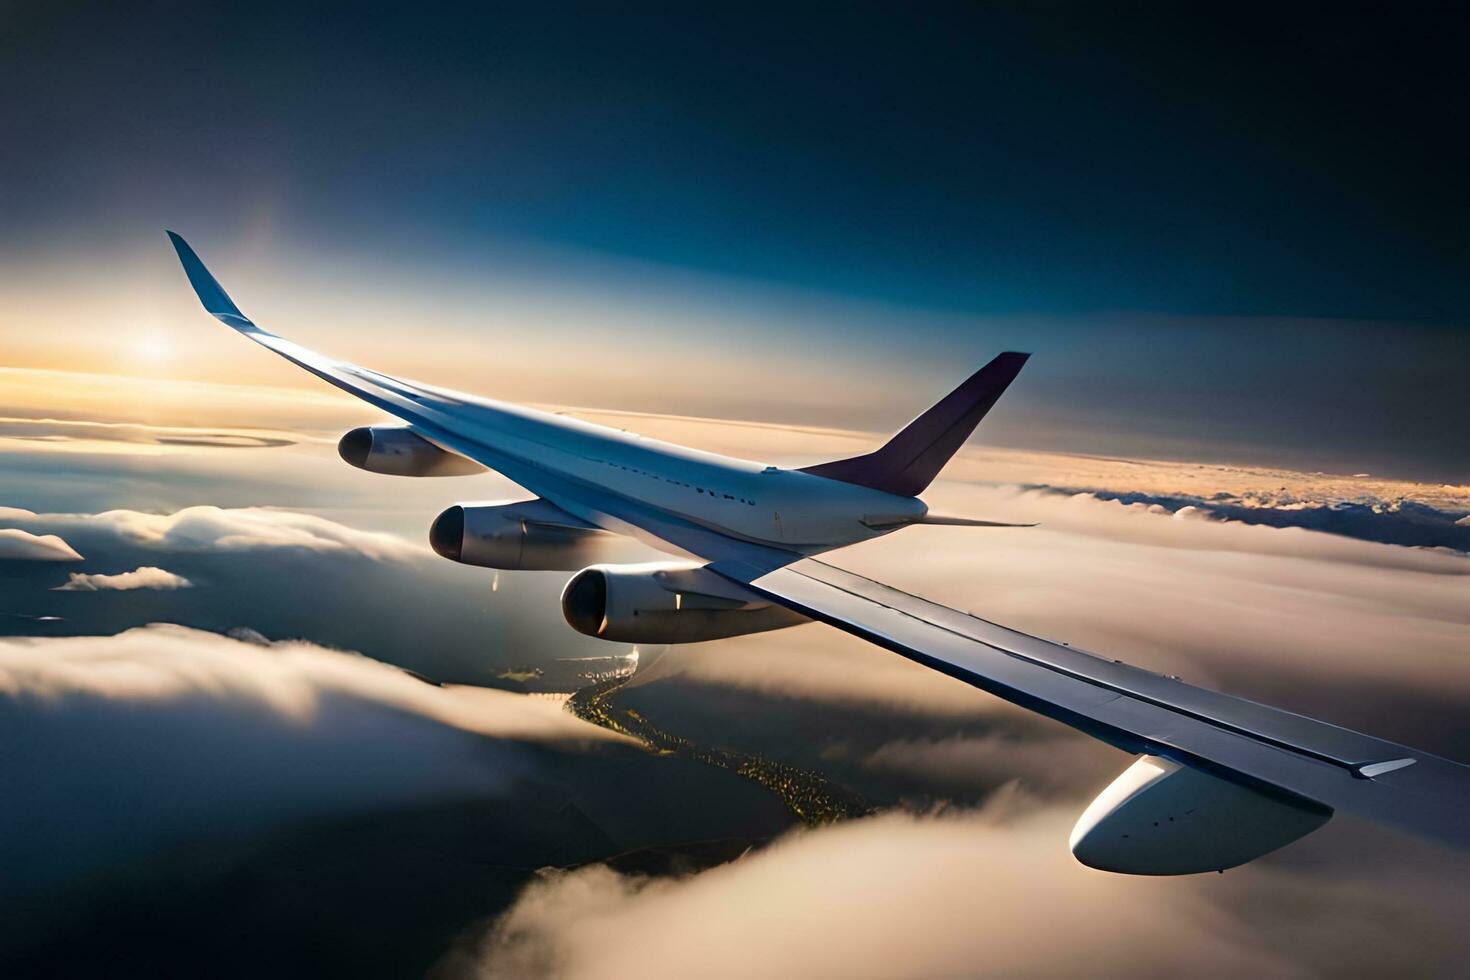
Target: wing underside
point(1290, 756)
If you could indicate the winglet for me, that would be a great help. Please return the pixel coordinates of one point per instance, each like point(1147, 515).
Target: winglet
point(911, 460)
point(210, 292)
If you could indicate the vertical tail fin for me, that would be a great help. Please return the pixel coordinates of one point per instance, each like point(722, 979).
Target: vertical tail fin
point(911, 460)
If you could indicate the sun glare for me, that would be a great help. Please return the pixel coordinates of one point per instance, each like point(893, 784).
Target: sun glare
point(152, 349)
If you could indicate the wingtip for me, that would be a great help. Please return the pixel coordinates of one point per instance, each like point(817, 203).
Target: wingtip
point(186, 254)
point(211, 294)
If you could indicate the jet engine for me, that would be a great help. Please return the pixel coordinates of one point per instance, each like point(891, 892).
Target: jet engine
point(1163, 818)
point(665, 602)
point(397, 450)
point(529, 535)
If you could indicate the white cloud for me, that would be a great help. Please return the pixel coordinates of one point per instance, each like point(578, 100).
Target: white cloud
point(144, 577)
point(128, 744)
point(241, 529)
point(223, 529)
point(290, 679)
point(987, 893)
point(18, 545)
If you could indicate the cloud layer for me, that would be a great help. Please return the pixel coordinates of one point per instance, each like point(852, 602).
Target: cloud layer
point(125, 743)
point(1398, 521)
point(289, 574)
point(350, 817)
point(1362, 633)
point(160, 735)
point(291, 680)
point(977, 893)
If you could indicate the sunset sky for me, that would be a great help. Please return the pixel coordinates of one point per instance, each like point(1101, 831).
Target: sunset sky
point(1254, 257)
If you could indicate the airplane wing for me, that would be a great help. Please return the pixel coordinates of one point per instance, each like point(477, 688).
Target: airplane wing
point(454, 420)
point(1309, 768)
point(1282, 754)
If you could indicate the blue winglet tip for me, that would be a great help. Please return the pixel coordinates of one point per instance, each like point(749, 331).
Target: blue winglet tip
point(209, 291)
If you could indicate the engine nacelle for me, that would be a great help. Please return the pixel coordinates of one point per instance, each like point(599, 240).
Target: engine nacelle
point(397, 450)
point(529, 535)
point(665, 602)
point(1163, 818)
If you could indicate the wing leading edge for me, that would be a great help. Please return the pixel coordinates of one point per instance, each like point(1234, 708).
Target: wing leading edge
point(452, 420)
point(1289, 756)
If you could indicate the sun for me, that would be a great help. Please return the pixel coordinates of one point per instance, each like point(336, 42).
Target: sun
point(153, 349)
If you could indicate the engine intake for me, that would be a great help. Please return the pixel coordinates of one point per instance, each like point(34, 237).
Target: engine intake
point(665, 602)
point(529, 535)
point(397, 450)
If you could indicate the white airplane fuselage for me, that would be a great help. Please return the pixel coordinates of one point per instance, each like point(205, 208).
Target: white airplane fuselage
point(555, 456)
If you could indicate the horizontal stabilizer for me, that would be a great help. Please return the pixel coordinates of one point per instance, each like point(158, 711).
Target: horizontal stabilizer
point(911, 460)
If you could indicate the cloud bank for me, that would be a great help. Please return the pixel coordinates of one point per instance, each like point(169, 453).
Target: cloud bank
point(143, 577)
point(1399, 521)
point(969, 893)
point(220, 529)
point(291, 681)
point(19, 545)
point(124, 744)
point(292, 574)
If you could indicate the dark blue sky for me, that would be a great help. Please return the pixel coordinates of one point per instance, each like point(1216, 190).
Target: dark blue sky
point(1049, 160)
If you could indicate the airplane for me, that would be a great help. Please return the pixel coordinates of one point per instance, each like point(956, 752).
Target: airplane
point(1218, 780)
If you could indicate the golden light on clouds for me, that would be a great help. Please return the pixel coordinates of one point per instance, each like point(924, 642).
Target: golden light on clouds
point(75, 396)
